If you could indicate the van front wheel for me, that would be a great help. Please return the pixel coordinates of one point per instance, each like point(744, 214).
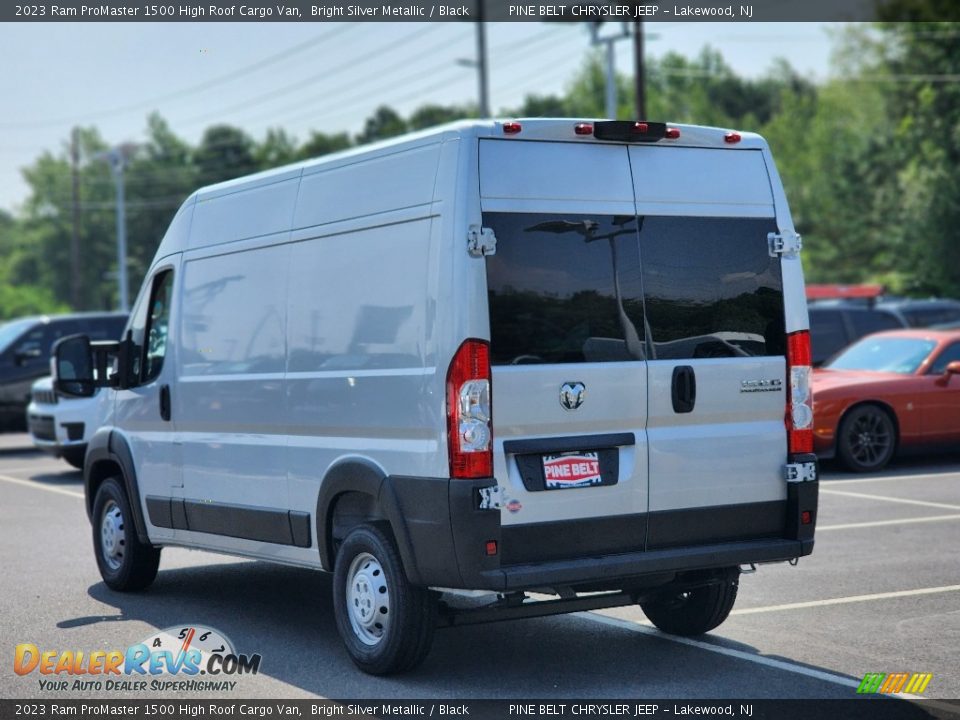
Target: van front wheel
point(694, 611)
point(386, 623)
point(125, 563)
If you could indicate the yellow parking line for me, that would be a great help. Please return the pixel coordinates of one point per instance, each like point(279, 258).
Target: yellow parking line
point(40, 486)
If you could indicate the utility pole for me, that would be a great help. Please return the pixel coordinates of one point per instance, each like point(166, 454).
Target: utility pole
point(639, 72)
point(75, 284)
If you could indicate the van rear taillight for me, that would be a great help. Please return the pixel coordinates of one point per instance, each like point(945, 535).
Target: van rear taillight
point(469, 432)
point(799, 416)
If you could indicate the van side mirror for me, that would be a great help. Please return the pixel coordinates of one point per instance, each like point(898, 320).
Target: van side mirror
point(73, 367)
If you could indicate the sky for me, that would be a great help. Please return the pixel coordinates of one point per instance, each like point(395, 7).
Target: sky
point(305, 76)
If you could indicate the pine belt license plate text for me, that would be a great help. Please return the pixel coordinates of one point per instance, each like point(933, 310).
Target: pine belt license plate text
point(571, 470)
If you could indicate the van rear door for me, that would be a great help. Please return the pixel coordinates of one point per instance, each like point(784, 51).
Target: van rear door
point(567, 348)
point(715, 312)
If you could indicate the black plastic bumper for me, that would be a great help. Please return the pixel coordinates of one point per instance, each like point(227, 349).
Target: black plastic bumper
point(443, 537)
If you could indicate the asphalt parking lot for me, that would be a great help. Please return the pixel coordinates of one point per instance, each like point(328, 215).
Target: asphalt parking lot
point(881, 593)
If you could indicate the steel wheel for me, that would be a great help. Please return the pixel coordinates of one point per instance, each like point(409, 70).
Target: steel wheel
point(368, 599)
point(112, 541)
point(125, 563)
point(385, 622)
point(867, 439)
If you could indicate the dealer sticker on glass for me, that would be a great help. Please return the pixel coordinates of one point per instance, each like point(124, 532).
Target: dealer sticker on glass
point(568, 470)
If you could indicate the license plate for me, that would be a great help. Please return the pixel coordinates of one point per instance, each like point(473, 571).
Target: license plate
point(571, 470)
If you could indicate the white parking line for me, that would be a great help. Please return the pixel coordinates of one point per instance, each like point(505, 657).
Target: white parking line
point(846, 600)
point(40, 486)
point(32, 468)
point(758, 659)
point(951, 475)
point(720, 650)
point(885, 498)
point(879, 523)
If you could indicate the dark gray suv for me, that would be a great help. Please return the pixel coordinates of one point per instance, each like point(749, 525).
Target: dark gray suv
point(25, 353)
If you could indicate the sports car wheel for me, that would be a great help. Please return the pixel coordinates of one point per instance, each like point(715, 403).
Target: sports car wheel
point(867, 439)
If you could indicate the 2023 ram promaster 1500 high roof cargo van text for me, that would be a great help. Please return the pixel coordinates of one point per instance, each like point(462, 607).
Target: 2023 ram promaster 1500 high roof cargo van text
point(569, 357)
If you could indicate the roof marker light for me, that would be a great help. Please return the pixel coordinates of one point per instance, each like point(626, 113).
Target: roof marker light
point(583, 129)
point(732, 138)
point(672, 133)
point(511, 128)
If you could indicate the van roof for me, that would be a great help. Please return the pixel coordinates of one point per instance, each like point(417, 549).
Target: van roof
point(551, 129)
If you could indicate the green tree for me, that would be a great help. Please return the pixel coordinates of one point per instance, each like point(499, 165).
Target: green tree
point(384, 123)
point(321, 144)
point(428, 116)
point(277, 148)
point(224, 153)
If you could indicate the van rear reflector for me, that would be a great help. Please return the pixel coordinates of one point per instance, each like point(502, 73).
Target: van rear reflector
point(629, 131)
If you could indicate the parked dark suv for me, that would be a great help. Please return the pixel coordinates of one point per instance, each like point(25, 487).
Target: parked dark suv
point(834, 326)
point(25, 353)
point(924, 313)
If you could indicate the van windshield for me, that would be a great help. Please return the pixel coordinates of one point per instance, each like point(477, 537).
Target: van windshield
point(10, 331)
point(595, 288)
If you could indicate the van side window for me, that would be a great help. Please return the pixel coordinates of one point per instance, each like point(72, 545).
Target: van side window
point(158, 326)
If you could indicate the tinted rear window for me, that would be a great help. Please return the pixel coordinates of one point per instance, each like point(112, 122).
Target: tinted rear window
point(924, 317)
point(552, 291)
point(712, 289)
point(570, 288)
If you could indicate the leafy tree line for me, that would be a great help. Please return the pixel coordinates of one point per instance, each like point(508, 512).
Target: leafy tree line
point(870, 160)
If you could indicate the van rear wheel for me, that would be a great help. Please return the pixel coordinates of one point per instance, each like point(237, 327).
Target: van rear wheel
point(694, 611)
point(125, 563)
point(386, 623)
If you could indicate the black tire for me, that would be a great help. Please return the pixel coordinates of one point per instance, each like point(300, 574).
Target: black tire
point(693, 612)
point(125, 563)
point(866, 439)
point(381, 639)
point(75, 456)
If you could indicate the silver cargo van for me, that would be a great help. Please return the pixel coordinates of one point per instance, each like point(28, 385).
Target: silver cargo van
point(553, 355)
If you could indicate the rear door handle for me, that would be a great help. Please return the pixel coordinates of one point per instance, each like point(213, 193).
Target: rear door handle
point(165, 402)
point(683, 389)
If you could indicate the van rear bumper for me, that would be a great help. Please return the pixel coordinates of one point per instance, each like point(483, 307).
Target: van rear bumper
point(443, 537)
point(629, 565)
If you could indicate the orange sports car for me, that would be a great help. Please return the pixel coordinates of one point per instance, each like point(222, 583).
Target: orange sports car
point(893, 391)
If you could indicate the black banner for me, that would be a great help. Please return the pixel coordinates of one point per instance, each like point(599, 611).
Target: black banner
point(874, 707)
point(466, 10)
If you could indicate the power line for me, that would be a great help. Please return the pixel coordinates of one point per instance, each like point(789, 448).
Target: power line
point(329, 96)
point(327, 72)
point(206, 85)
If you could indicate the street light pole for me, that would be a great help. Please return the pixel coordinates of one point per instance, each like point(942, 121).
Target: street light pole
point(117, 157)
point(482, 65)
point(611, 90)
